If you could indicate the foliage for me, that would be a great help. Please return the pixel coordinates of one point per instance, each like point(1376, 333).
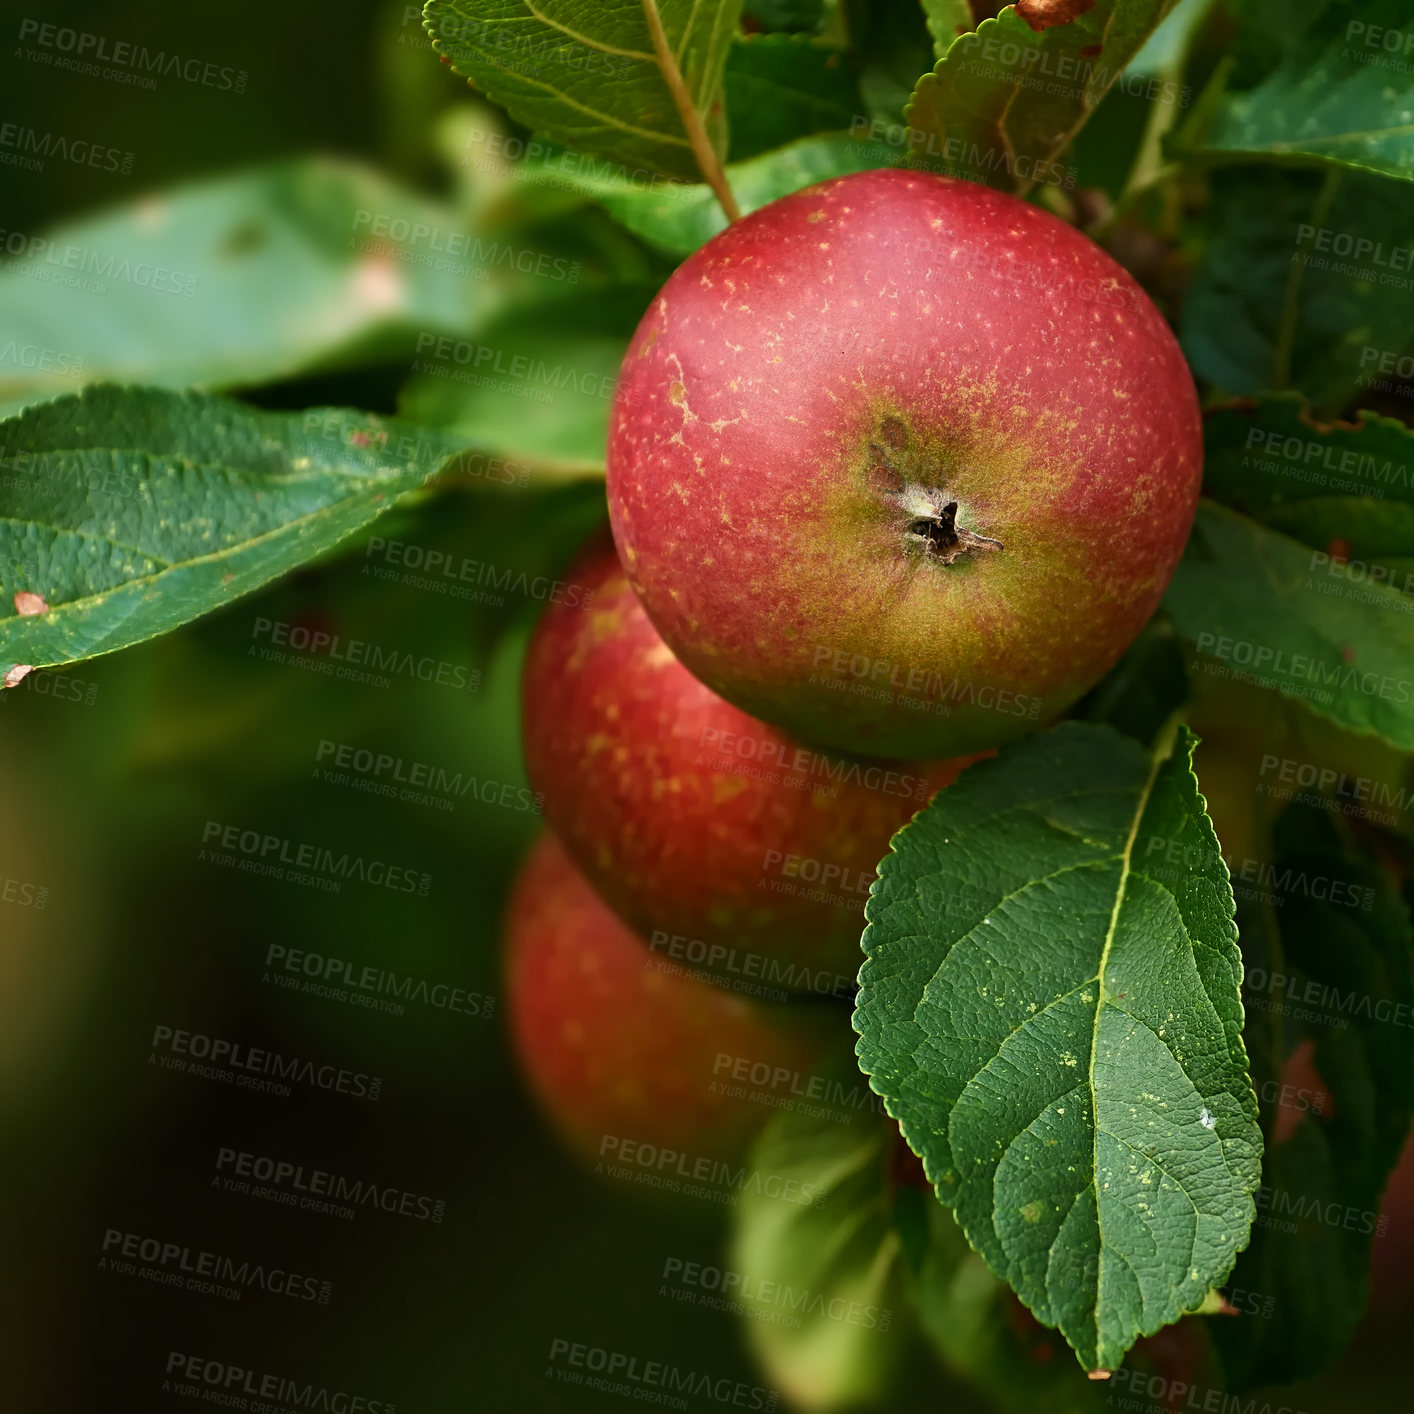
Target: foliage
point(1051, 999)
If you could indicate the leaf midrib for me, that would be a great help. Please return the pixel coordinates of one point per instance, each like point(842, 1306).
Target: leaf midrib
point(1140, 805)
point(298, 525)
point(440, 44)
point(59, 531)
point(1329, 139)
point(366, 482)
point(215, 466)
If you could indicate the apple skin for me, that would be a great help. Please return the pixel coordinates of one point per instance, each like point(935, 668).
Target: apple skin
point(815, 386)
point(614, 1045)
point(684, 812)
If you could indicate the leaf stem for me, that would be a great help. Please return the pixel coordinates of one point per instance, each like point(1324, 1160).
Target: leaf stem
point(702, 148)
point(1162, 749)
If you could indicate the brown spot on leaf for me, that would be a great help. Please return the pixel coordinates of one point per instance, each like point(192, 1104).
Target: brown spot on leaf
point(29, 605)
point(18, 674)
point(1092, 51)
point(1044, 14)
point(1339, 551)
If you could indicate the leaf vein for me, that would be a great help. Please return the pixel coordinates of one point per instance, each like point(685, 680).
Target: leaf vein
point(584, 39)
point(595, 113)
point(1000, 903)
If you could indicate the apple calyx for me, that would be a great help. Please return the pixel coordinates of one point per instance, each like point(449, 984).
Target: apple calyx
point(930, 514)
point(932, 525)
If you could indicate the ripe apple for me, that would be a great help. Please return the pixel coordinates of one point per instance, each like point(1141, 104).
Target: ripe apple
point(718, 838)
point(623, 1047)
point(902, 464)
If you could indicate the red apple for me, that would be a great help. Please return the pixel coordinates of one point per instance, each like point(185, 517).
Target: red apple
point(718, 838)
point(619, 1045)
point(902, 464)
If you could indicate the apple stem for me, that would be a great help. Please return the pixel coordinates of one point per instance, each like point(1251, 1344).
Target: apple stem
point(702, 148)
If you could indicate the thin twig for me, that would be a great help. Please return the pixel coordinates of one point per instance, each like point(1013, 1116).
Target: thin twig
point(702, 148)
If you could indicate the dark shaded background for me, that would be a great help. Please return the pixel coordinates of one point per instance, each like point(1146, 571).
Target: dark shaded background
point(104, 795)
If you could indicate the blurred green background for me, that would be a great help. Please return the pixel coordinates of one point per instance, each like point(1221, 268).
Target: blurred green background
point(110, 774)
point(108, 777)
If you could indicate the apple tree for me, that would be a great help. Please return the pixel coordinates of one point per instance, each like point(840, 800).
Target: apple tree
point(1005, 421)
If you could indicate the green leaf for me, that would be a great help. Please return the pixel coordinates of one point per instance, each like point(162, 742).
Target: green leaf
point(1050, 1008)
point(820, 1285)
point(1302, 273)
point(1005, 101)
point(535, 383)
point(678, 219)
point(1335, 96)
point(1329, 973)
point(131, 511)
point(584, 72)
point(1342, 483)
point(946, 20)
point(236, 281)
point(780, 87)
point(1262, 608)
